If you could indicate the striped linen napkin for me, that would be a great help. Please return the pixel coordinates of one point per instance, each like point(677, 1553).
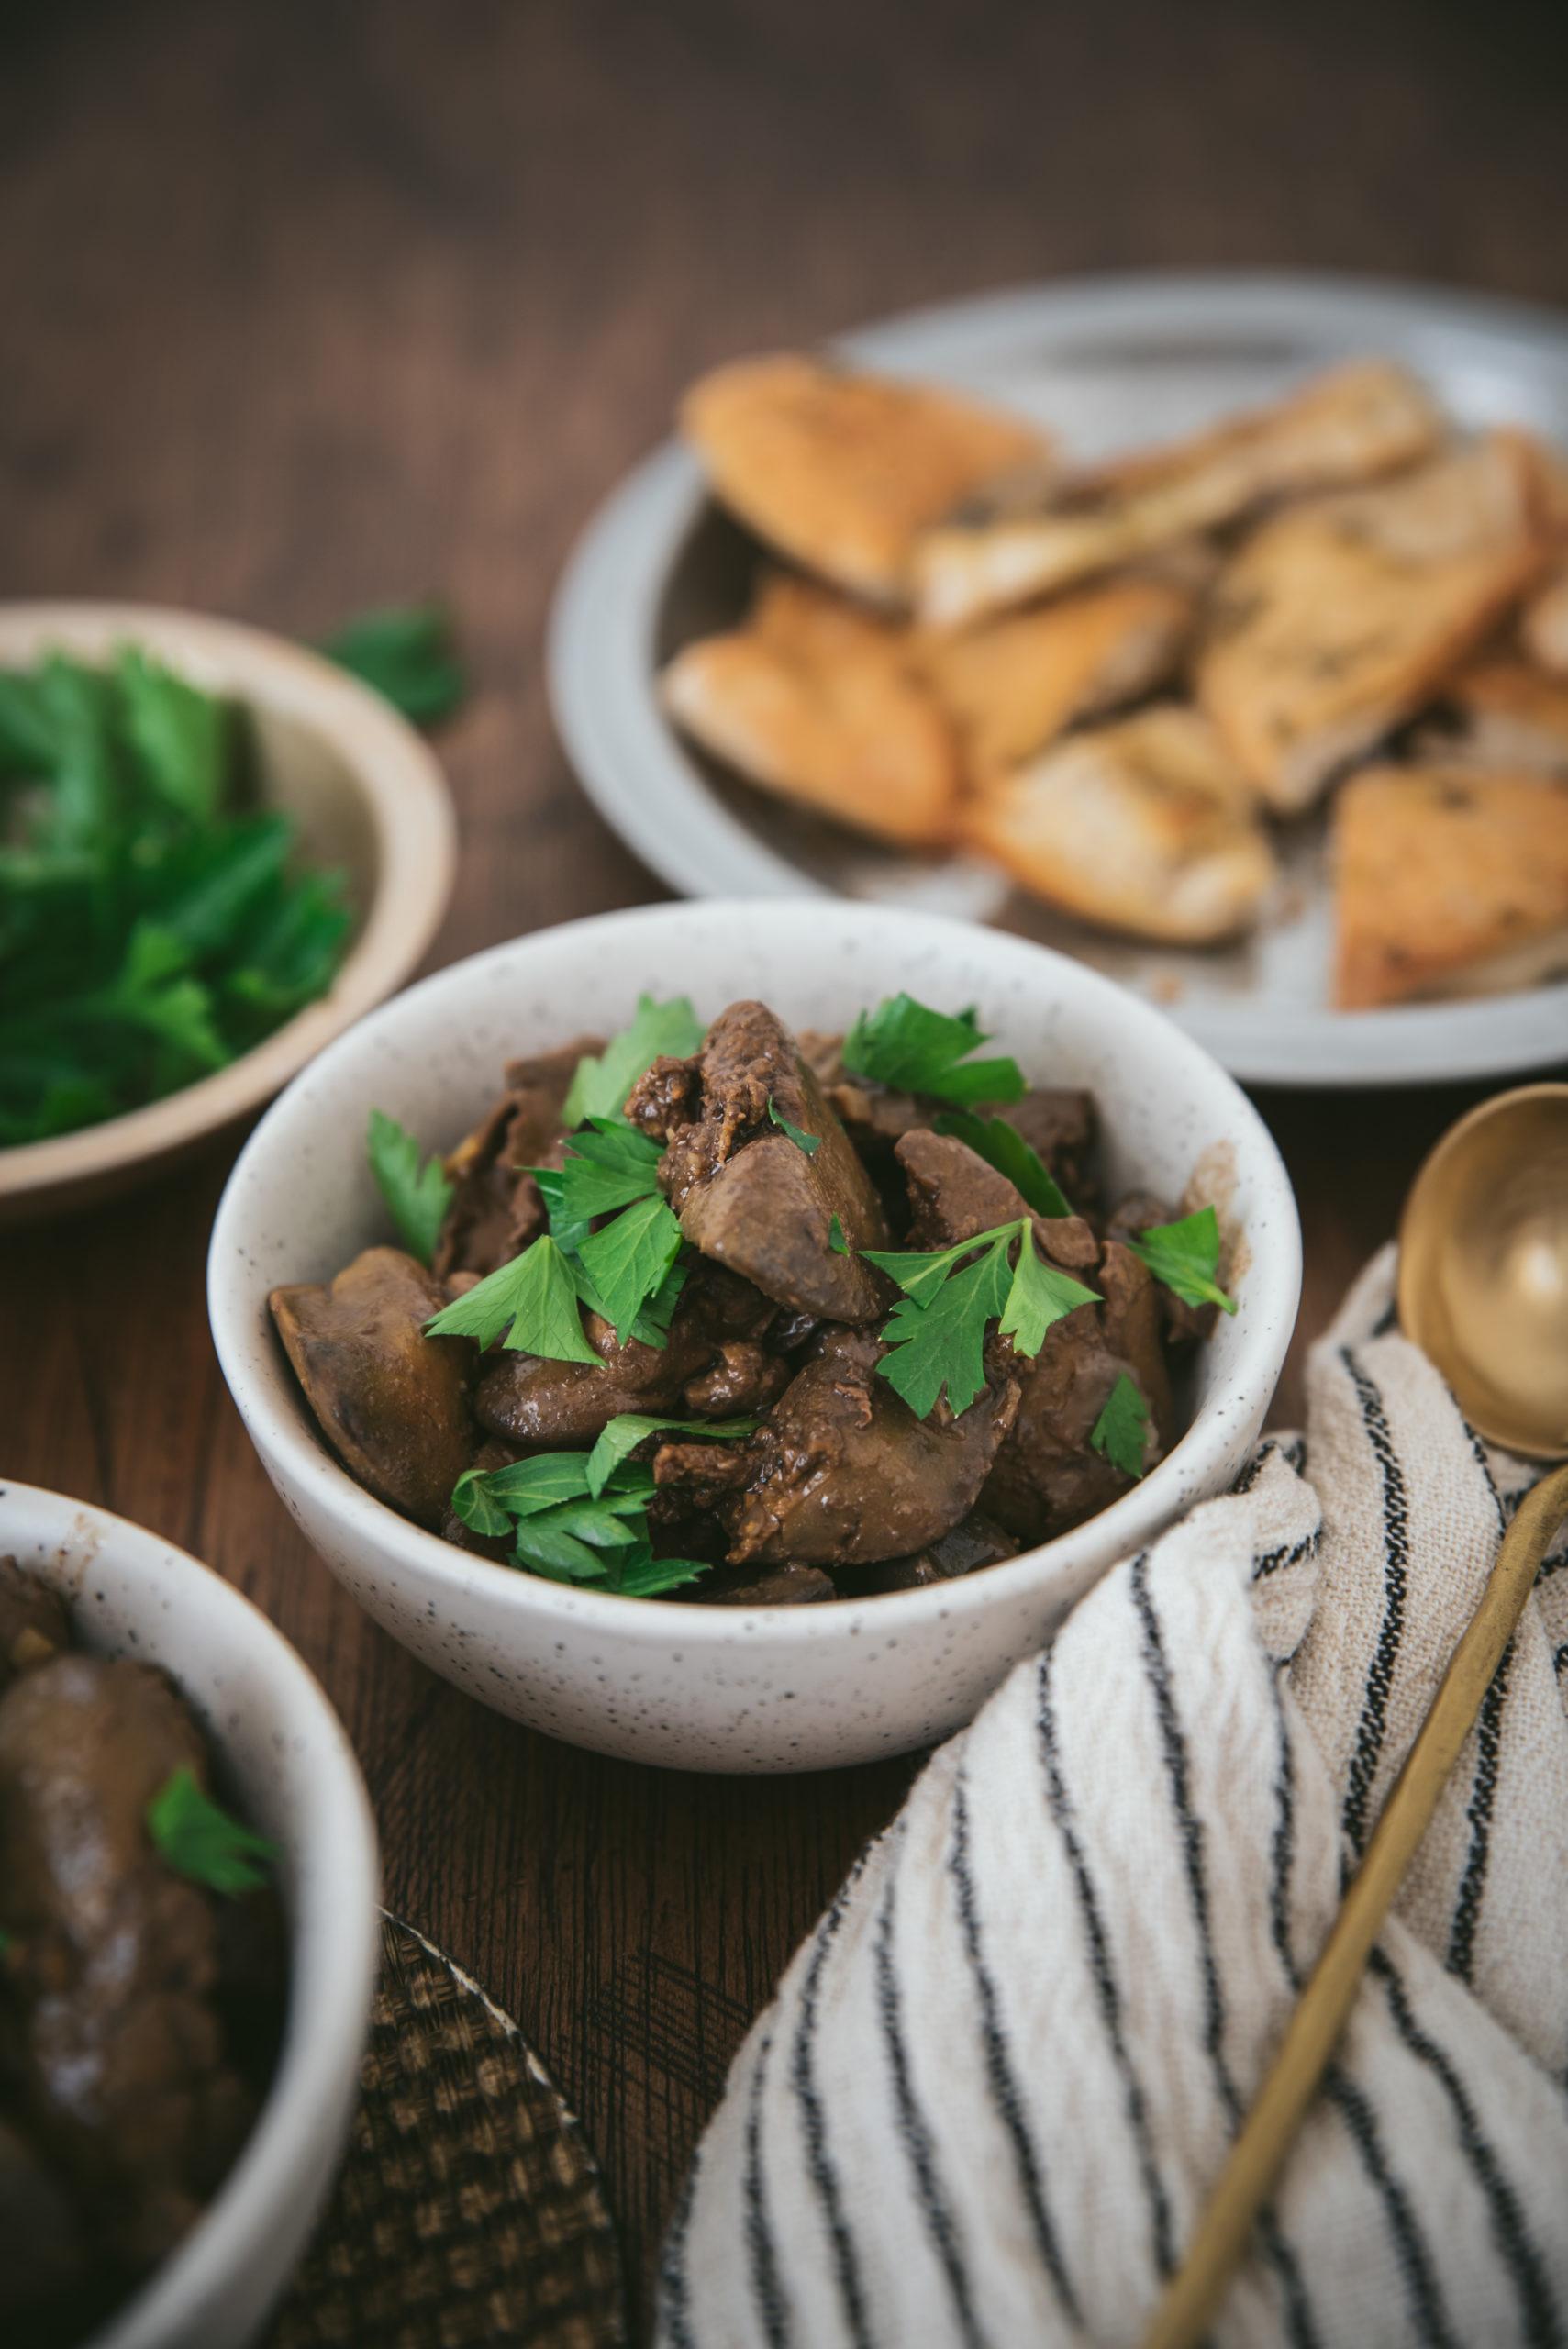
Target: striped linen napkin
point(998, 2081)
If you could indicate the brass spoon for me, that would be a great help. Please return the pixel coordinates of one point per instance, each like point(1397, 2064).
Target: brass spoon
point(1484, 1289)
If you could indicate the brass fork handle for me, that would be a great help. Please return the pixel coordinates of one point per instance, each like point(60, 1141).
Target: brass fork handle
point(1192, 2299)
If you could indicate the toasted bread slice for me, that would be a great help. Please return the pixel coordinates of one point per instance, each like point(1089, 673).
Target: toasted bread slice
point(1145, 826)
point(839, 470)
point(1341, 615)
point(1503, 713)
point(1544, 631)
point(1349, 426)
point(818, 701)
point(1011, 685)
point(1447, 880)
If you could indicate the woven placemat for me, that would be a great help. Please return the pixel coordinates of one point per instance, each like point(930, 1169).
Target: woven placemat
point(468, 2208)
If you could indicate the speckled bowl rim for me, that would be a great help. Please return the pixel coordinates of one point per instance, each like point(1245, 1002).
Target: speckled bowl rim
point(416, 837)
point(334, 1936)
point(291, 1439)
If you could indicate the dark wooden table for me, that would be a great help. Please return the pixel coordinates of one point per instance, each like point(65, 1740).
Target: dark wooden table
point(309, 303)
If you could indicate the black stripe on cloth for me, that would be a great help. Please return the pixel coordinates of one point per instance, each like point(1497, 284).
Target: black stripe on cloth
point(674, 2298)
point(914, 2130)
point(1273, 1560)
point(1416, 2272)
point(1483, 1795)
point(1374, 1725)
point(1106, 1993)
point(1282, 1844)
point(999, 2073)
point(1479, 1450)
point(820, 2166)
point(1189, 1831)
point(1387, 1319)
point(1532, 2284)
point(1561, 1658)
point(767, 2286)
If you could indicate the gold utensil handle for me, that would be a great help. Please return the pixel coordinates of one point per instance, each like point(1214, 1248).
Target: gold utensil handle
point(1192, 2298)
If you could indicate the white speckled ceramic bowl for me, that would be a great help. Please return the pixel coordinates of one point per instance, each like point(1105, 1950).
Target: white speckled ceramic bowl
point(133, 1594)
point(721, 1687)
point(370, 801)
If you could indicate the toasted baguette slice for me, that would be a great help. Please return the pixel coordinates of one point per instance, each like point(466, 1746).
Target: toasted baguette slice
point(1544, 631)
point(1502, 713)
point(1012, 684)
point(1145, 826)
point(840, 471)
point(1340, 617)
point(1447, 881)
point(1349, 426)
point(818, 701)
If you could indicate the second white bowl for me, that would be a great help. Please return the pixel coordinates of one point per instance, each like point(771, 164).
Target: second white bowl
point(721, 1687)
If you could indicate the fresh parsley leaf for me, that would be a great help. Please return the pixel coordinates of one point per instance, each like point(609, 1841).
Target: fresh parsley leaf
point(200, 1841)
point(835, 1240)
point(936, 1333)
point(907, 1045)
point(27, 744)
point(1185, 1256)
point(418, 1196)
point(1120, 1430)
point(631, 1428)
point(646, 1577)
point(608, 1167)
point(603, 1080)
point(559, 1557)
point(809, 1143)
point(178, 737)
point(405, 653)
point(522, 1490)
point(1002, 1146)
point(535, 1293)
point(628, 1259)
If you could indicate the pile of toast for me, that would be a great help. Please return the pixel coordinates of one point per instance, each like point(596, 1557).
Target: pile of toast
point(1116, 683)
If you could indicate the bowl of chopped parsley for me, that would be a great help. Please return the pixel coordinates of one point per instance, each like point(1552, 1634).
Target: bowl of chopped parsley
point(217, 849)
point(771, 1363)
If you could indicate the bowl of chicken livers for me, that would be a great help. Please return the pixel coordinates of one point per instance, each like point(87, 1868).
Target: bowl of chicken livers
point(732, 1335)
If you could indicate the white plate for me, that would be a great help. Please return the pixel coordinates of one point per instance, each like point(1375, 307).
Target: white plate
point(1108, 364)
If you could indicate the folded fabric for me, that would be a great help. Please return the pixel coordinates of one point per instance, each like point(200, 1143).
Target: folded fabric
point(998, 2082)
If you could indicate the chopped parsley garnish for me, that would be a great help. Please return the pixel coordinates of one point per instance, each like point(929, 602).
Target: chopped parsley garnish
point(625, 1271)
point(603, 1080)
point(809, 1143)
point(1185, 1256)
point(582, 1516)
point(405, 653)
point(200, 1841)
point(1121, 1430)
point(912, 1049)
point(417, 1196)
point(1003, 1147)
point(835, 1240)
point(150, 931)
point(936, 1333)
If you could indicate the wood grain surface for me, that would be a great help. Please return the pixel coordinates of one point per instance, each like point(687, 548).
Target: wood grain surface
point(312, 305)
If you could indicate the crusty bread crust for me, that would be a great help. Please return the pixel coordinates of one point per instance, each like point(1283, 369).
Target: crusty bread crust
point(818, 701)
point(1352, 425)
point(840, 471)
point(1341, 615)
point(1504, 712)
point(1010, 686)
point(1544, 631)
point(1145, 826)
point(1445, 875)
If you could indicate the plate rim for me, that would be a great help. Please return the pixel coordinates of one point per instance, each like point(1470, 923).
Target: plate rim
point(603, 614)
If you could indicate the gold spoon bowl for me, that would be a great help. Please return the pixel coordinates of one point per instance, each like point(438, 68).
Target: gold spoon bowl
point(1483, 1268)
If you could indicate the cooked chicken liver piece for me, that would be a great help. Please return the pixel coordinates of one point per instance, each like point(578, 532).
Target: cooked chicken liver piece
point(790, 1585)
point(496, 1207)
point(1047, 1477)
point(47, 2270)
point(841, 1472)
point(393, 1403)
point(745, 1194)
point(975, 1542)
point(542, 1406)
point(955, 1195)
point(1059, 1125)
point(109, 2028)
point(35, 1622)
